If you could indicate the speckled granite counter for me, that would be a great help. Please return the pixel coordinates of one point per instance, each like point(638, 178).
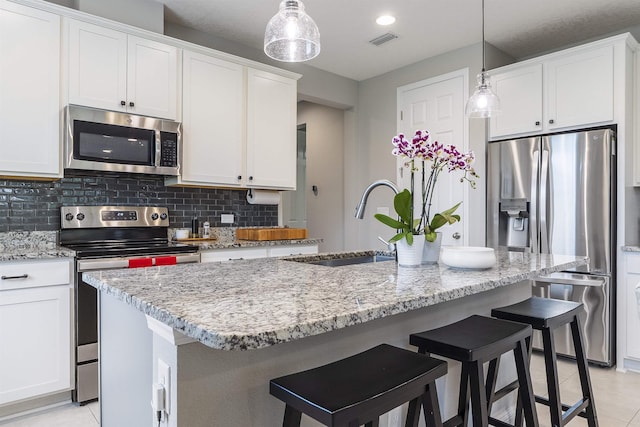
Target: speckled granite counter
point(253, 304)
point(23, 245)
point(631, 249)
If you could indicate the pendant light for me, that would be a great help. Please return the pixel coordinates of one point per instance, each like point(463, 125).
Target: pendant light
point(483, 103)
point(291, 35)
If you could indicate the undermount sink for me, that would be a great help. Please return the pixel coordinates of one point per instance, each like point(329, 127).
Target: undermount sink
point(337, 260)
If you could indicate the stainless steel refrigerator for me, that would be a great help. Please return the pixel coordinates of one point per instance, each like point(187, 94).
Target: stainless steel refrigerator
point(556, 194)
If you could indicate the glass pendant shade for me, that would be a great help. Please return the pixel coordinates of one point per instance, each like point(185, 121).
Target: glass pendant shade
point(483, 103)
point(291, 35)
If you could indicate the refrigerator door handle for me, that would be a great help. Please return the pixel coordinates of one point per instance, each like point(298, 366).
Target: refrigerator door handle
point(545, 198)
point(533, 214)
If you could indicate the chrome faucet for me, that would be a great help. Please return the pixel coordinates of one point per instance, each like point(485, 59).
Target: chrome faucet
point(363, 201)
point(363, 204)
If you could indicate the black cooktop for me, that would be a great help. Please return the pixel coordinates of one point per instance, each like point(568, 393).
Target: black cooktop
point(121, 249)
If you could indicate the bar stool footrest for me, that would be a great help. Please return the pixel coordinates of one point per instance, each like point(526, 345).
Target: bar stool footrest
point(578, 409)
point(505, 390)
point(453, 421)
point(498, 423)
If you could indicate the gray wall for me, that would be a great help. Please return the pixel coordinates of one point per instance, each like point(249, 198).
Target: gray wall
point(325, 169)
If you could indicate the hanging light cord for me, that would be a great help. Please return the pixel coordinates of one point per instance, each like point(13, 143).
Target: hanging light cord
point(483, 42)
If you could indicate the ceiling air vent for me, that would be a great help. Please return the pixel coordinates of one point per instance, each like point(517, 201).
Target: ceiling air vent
point(383, 39)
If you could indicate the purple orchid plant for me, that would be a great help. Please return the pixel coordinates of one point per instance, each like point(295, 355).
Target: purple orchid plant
point(434, 158)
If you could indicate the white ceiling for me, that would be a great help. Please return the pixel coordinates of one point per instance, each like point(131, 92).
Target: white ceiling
point(521, 28)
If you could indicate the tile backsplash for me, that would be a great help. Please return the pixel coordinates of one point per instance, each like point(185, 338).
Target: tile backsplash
point(35, 205)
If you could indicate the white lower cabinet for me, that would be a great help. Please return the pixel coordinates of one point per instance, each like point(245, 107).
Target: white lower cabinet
point(231, 254)
point(35, 329)
point(632, 296)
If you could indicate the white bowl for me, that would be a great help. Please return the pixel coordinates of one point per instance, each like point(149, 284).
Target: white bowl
point(475, 257)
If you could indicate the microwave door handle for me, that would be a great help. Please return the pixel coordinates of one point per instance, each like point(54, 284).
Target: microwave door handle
point(158, 146)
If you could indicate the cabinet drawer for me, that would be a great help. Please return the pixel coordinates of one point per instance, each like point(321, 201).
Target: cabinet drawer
point(293, 250)
point(632, 261)
point(233, 254)
point(30, 274)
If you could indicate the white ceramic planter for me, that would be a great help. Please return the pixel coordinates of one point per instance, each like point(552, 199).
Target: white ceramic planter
point(410, 255)
point(431, 252)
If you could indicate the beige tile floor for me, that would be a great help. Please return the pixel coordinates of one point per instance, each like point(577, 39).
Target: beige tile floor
point(617, 397)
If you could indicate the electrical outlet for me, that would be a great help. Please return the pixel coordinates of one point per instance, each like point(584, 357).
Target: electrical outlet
point(164, 378)
point(226, 218)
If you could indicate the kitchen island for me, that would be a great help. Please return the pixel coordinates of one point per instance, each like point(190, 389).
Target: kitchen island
point(225, 329)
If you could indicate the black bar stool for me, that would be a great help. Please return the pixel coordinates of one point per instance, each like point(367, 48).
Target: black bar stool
point(359, 389)
point(474, 341)
point(547, 315)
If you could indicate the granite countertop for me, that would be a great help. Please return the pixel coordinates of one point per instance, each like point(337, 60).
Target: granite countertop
point(250, 304)
point(631, 249)
point(28, 245)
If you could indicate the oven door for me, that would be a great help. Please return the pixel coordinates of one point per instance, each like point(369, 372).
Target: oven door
point(87, 334)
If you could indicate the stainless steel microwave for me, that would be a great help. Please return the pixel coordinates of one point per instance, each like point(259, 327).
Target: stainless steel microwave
point(111, 141)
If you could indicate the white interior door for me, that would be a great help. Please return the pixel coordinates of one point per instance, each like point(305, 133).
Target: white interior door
point(437, 105)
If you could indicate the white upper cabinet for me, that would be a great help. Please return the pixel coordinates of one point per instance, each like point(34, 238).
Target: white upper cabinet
point(520, 94)
point(238, 126)
point(569, 89)
point(579, 88)
point(29, 92)
point(213, 121)
point(271, 130)
point(111, 70)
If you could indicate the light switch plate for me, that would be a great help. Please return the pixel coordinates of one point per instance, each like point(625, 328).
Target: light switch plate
point(226, 218)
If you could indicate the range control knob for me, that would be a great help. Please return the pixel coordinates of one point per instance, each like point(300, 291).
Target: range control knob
point(154, 216)
point(163, 216)
point(80, 216)
point(68, 216)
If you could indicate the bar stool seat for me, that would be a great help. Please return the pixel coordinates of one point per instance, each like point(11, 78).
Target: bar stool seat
point(547, 315)
point(359, 389)
point(474, 341)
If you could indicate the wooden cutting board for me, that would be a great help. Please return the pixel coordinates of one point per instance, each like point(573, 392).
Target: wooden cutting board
point(271, 233)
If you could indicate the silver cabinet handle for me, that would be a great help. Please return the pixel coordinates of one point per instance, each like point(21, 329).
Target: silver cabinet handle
point(456, 235)
point(22, 276)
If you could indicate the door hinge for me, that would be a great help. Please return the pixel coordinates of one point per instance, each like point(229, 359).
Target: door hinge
point(401, 115)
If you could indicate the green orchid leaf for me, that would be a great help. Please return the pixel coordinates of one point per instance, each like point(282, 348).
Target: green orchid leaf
point(431, 237)
point(393, 223)
point(402, 205)
point(398, 237)
point(445, 217)
point(409, 237)
point(450, 210)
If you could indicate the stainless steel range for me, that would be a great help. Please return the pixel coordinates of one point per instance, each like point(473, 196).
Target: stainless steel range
point(111, 237)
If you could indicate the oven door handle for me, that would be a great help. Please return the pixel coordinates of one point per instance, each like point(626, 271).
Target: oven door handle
point(123, 262)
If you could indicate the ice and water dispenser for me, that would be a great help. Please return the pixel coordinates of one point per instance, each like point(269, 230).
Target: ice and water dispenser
point(513, 223)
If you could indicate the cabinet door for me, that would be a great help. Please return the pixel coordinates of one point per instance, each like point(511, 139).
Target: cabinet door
point(271, 130)
point(632, 281)
point(579, 89)
point(35, 332)
point(520, 94)
point(29, 91)
point(152, 78)
point(212, 121)
point(97, 66)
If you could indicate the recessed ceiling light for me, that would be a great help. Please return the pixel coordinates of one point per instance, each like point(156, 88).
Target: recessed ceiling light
point(385, 20)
